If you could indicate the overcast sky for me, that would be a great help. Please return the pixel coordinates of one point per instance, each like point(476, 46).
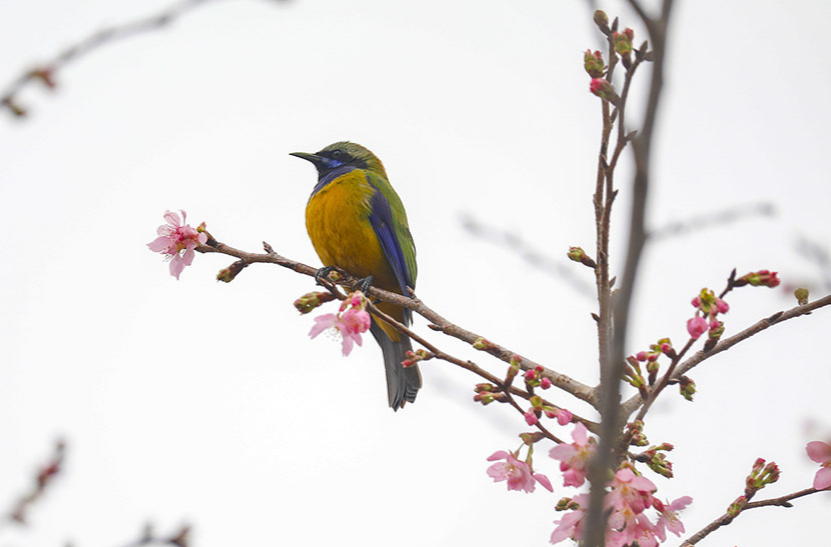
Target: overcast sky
point(200, 402)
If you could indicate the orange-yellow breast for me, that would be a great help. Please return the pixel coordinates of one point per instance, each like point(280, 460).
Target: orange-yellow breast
point(337, 219)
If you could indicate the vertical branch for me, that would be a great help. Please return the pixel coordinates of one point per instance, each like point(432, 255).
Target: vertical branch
point(609, 395)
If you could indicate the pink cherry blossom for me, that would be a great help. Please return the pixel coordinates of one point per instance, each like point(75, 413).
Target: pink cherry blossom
point(668, 516)
point(630, 495)
point(574, 458)
point(630, 490)
point(349, 327)
point(697, 326)
point(519, 474)
point(177, 240)
point(820, 452)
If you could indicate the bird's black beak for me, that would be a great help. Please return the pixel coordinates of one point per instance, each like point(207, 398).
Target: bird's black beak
point(314, 158)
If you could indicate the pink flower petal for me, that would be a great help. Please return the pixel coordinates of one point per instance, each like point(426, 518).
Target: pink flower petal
point(499, 455)
point(543, 480)
point(176, 266)
point(347, 345)
point(172, 218)
point(187, 258)
point(643, 484)
point(822, 480)
point(322, 323)
point(160, 245)
point(562, 452)
point(819, 451)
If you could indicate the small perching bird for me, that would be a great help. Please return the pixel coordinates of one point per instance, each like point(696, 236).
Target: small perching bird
point(357, 222)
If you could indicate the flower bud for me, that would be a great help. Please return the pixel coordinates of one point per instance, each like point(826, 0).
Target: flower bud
point(604, 90)
point(226, 275)
point(593, 63)
point(801, 296)
point(602, 21)
point(762, 278)
point(531, 438)
point(697, 326)
point(686, 387)
point(482, 344)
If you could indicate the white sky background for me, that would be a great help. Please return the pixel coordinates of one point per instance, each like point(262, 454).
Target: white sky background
point(200, 402)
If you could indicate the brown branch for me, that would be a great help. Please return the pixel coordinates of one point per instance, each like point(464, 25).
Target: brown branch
point(609, 389)
point(43, 478)
point(700, 356)
point(180, 538)
point(45, 72)
point(437, 322)
point(725, 519)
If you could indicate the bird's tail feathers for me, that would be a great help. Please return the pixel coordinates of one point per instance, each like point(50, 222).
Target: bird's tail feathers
point(402, 383)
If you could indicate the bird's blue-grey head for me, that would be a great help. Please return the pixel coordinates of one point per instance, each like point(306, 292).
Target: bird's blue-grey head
point(342, 157)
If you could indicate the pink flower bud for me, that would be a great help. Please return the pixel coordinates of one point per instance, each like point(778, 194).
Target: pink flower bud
point(697, 326)
point(530, 417)
point(604, 90)
point(722, 306)
point(641, 356)
point(545, 383)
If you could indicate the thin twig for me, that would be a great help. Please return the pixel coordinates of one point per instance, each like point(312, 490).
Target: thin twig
point(45, 72)
point(725, 519)
point(700, 356)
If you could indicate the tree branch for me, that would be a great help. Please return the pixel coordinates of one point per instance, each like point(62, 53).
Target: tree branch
point(45, 72)
point(700, 356)
point(725, 519)
point(437, 322)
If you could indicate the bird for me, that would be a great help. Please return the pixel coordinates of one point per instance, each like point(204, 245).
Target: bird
point(357, 222)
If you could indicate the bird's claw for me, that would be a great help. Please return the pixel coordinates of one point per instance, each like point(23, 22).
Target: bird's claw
point(365, 283)
point(323, 273)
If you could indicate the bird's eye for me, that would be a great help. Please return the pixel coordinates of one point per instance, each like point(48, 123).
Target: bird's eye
point(336, 154)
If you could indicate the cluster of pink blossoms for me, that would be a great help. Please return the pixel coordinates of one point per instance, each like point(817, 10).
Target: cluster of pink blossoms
point(349, 323)
point(708, 306)
point(629, 497)
point(628, 500)
point(177, 240)
point(820, 452)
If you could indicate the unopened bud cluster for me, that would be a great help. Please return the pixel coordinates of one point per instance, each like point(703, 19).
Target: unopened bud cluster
point(540, 408)
point(760, 476)
point(708, 307)
point(534, 378)
point(656, 460)
point(635, 432)
point(486, 394)
point(633, 373)
point(762, 278)
point(686, 387)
